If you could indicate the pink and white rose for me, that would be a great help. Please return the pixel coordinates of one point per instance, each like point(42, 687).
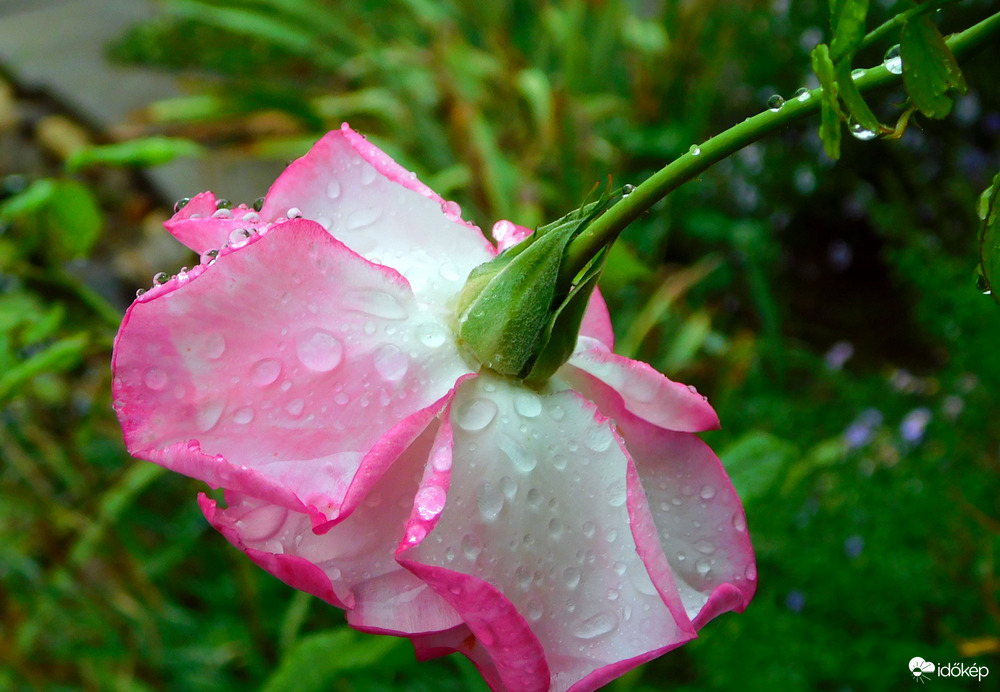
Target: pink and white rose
point(558, 537)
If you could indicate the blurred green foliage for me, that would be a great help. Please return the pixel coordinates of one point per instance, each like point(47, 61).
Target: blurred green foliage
point(829, 311)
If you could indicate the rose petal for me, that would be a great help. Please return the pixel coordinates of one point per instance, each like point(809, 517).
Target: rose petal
point(286, 361)
point(197, 226)
point(354, 558)
point(603, 376)
point(535, 547)
point(597, 321)
point(382, 212)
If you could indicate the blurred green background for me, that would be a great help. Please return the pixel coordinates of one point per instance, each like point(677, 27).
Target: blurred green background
point(828, 310)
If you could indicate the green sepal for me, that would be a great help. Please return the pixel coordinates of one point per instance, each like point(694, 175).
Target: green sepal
point(930, 70)
point(829, 129)
point(989, 239)
point(560, 336)
point(511, 306)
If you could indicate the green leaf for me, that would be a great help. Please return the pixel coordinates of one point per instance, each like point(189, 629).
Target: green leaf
point(930, 71)
point(989, 238)
point(847, 17)
point(149, 151)
point(829, 129)
point(319, 660)
point(755, 462)
point(855, 103)
point(60, 356)
point(74, 220)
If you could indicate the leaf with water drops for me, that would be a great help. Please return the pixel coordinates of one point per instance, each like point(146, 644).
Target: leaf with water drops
point(829, 129)
point(989, 239)
point(930, 71)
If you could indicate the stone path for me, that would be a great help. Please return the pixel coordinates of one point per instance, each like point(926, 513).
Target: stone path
point(58, 46)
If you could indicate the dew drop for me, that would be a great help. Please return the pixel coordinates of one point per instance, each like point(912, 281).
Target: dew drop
point(739, 522)
point(360, 218)
point(238, 236)
point(476, 414)
point(559, 462)
point(208, 415)
point(155, 379)
point(859, 131)
point(703, 567)
point(265, 371)
point(520, 457)
point(258, 204)
point(627, 189)
point(599, 438)
point(751, 571)
point(555, 527)
point(431, 335)
point(694, 150)
point(775, 102)
point(489, 500)
point(368, 174)
point(391, 363)
point(223, 203)
point(802, 94)
point(704, 547)
point(251, 217)
point(707, 492)
point(471, 546)
point(571, 576)
point(616, 494)
point(295, 406)
point(508, 486)
point(215, 346)
point(342, 399)
point(319, 350)
point(535, 611)
point(333, 189)
point(429, 501)
point(181, 203)
point(589, 529)
point(557, 413)
point(139, 292)
point(892, 61)
point(858, 73)
point(620, 568)
point(376, 304)
point(982, 283)
point(222, 214)
point(160, 278)
point(294, 213)
point(208, 256)
point(527, 404)
point(524, 577)
point(243, 416)
point(596, 626)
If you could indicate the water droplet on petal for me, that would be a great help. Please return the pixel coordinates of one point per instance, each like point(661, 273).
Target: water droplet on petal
point(489, 500)
point(535, 611)
point(751, 571)
point(258, 204)
point(527, 404)
point(892, 61)
point(616, 493)
point(599, 438)
point(739, 522)
point(295, 406)
point(222, 214)
point(215, 346)
point(208, 415)
point(391, 363)
point(476, 414)
point(707, 492)
point(704, 547)
point(595, 626)
point(519, 456)
point(360, 218)
point(155, 379)
point(319, 350)
point(368, 174)
point(429, 501)
point(238, 236)
point(508, 486)
point(294, 213)
point(265, 371)
point(471, 546)
point(139, 292)
point(333, 189)
point(160, 278)
point(775, 102)
point(703, 567)
point(243, 416)
point(431, 335)
point(181, 203)
point(223, 203)
point(208, 256)
point(524, 577)
point(572, 577)
point(375, 303)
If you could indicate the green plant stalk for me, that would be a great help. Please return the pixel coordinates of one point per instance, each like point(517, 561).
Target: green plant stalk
point(605, 229)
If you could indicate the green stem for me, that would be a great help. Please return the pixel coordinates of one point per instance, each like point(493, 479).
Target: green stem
point(897, 22)
point(606, 228)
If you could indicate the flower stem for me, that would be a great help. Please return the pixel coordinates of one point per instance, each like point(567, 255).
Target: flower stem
point(606, 228)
